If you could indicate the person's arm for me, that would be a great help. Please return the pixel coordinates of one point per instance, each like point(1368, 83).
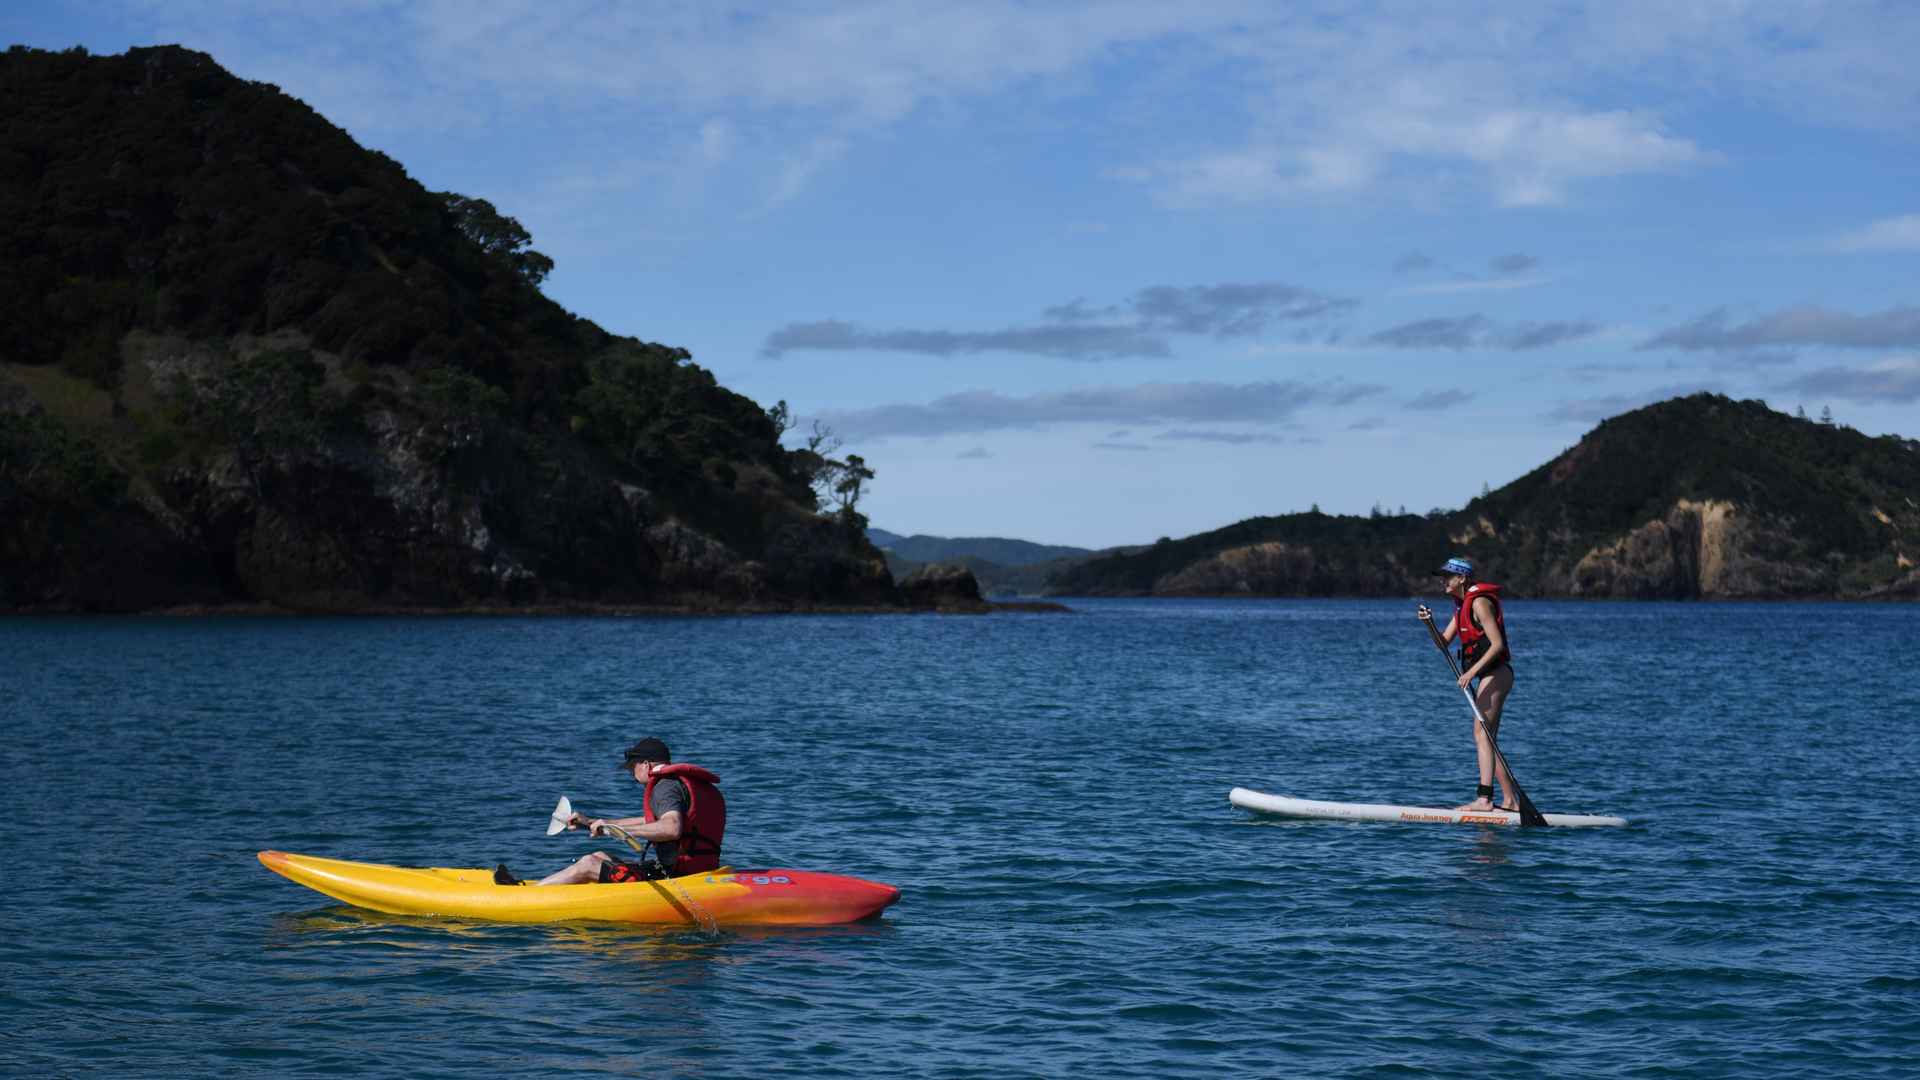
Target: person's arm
point(1426, 613)
point(1496, 641)
point(664, 829)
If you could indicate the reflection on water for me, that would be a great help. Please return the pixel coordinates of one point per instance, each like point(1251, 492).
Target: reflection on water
point(1492, 847)
point(343, 925)
point(639, 995)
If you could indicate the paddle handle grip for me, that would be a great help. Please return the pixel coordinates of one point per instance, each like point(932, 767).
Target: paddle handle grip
point(1433, 630)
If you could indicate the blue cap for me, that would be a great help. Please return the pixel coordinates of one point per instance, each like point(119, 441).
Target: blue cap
point(1455, 565)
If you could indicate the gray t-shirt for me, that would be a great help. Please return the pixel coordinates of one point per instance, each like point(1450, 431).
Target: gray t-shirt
point(669, 795)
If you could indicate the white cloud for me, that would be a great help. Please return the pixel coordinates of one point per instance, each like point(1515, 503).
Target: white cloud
point(717, 141)
point(1473, 285)
point(1303, 100)
point(1528, 102)
point(1228, 438)
point(1081, 331)
point(1478, 332)
point(796, 172)
point(1807, 324)
point(1531, 155)
point(1261, 174)
point(1595, 409)
point(866, 62)
point(1148, 403)
point(1438, 400)
point(1892, 380)
point(1888, 234)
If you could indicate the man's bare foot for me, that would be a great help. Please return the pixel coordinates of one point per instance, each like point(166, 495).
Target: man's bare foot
point(1511, 809)
point(1477, 804)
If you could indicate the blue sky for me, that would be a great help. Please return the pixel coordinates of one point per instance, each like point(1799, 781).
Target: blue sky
point(1097, 273)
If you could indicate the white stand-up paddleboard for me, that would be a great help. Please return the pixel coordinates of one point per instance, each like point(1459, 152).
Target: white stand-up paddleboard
point(1347, 811)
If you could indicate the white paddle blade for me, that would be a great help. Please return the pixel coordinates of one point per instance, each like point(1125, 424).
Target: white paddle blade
point(562, 813)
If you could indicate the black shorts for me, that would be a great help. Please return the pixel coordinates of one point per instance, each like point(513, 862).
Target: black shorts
point(1503, 662)
point(617, 871)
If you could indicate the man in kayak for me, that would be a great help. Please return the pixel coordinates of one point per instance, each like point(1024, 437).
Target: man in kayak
point(683, 816)
point(1478, 622)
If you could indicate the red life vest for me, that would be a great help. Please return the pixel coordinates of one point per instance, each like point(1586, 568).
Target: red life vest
point(1473, 639)
point(704, 821)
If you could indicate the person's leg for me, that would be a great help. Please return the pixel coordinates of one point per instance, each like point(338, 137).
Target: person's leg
point(1491, 697)
point(1482, 799)
point(1492, 700)
point(585, 871)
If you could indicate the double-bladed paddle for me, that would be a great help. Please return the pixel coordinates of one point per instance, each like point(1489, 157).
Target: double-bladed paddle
point(1529, 813)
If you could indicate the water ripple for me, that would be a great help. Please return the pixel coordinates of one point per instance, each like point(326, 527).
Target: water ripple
point(1050, 794)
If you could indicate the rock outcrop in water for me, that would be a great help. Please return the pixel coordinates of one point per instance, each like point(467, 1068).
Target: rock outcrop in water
point(1696, 498)
point(244, 361)
point(943, 587)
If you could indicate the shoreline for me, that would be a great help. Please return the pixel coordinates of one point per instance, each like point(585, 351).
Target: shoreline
point(1024, 605)
point(575, 610)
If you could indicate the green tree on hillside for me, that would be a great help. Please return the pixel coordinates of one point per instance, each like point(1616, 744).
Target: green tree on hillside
point(270, 405)
point(41, 457)
point(633, 404)
point(834, 481)
point(500, 236)
point(851, 484)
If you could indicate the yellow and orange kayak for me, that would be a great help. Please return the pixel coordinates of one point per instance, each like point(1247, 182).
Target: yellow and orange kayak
point(726, 896)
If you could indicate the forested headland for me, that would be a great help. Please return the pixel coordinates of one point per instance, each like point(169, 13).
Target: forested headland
point(246, 361)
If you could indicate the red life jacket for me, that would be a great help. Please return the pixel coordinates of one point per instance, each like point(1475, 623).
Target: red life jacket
point(1473, 639)
point(704, 821)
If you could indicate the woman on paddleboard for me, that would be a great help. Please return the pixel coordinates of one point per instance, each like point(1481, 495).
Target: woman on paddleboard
point(1478, 623)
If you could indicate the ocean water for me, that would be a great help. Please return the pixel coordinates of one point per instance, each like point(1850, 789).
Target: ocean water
point(1050, 793)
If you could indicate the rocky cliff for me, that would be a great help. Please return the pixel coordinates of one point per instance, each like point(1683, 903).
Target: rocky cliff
point(1695, 498)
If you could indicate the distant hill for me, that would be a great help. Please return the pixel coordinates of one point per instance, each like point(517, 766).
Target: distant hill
point(244, 360)
point(926, 549)
point(1003, 567)
point(1697, 497)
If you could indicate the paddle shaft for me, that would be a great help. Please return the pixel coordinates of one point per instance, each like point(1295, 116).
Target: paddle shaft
point(1529, 814)
point(639, 846)
point(700, 916)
